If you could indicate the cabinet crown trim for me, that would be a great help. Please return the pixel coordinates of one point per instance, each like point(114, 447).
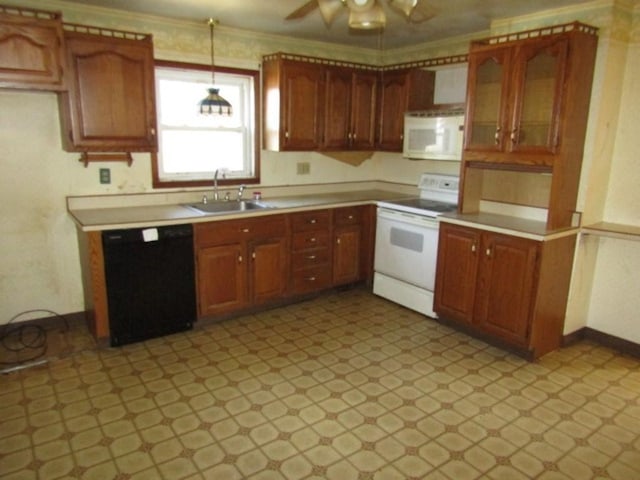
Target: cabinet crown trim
point(429, 62)
point(536, 33)
point(107, 32)
point(30, 13)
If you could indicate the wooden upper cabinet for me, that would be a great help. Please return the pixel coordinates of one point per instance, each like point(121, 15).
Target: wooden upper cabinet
point(349, 109)
point(528, 98)
point(31, 49)
point(293, 92)
point(400, 91)
point(110, 104)
point(515, 100)
point(315, 104)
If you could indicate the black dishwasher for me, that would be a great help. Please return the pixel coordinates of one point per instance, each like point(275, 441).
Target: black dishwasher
point(150, 277)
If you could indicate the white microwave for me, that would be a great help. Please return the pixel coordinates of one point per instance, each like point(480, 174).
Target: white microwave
point(433, 135)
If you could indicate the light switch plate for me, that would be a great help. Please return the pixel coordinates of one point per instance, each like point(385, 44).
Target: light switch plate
point(303, 168)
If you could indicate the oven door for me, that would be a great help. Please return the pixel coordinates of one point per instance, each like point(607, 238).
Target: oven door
point(406, 247)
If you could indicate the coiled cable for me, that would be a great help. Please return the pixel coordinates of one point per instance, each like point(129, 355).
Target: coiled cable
point(27, 337)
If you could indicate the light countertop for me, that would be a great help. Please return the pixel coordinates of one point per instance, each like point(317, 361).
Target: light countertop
point(142, 216)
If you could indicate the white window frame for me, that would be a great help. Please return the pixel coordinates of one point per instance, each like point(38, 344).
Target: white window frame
point(246, 112)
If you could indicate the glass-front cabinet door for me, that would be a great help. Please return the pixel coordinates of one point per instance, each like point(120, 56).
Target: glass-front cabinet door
point(538, 78)
point(487, 97)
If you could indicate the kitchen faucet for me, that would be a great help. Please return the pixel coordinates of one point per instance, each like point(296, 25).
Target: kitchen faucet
point(240, 190)
point(215, 186)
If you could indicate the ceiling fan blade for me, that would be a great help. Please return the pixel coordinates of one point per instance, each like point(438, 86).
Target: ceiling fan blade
point(404, 6)
point(330, 9)
point(422, 12)
point(303, 11)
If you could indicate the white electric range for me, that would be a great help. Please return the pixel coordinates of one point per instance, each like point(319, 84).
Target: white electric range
point(407, 242)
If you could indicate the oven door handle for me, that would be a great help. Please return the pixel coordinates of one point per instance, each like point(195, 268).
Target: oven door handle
point(403, 217)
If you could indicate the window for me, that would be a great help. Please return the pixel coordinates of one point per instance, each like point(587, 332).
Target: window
point(191, 146)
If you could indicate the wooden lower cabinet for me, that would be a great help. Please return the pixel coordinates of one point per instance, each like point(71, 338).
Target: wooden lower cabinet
point(240, 263)
point(352, 244)
point(507, 288)
point(311, 251)
point(246, 263)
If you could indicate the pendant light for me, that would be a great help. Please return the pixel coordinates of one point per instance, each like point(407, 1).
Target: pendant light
point(214, 104)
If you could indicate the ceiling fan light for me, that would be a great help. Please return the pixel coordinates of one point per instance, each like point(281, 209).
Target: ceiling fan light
point(405, 6)
point(371, 19)
point(361, 5)
point(330, 9)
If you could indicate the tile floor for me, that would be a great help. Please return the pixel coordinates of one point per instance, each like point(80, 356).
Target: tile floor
point(347, 386)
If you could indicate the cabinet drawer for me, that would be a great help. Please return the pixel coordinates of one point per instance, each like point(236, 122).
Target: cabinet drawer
point(213, 233)
point(347, 216)
point(313, 239)
point(310, 258)
point(311, 279)
point(314, 220)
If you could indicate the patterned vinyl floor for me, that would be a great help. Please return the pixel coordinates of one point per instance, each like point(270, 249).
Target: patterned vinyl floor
point(347, 387)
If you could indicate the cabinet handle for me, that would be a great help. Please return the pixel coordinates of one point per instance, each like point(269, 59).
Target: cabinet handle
point(349, 136)
point(286, 134)
point(311, 257)
point(473, 248)
point(253, 255)
point(239, 258)
point(488, 252)
point(514, 135)
point(496, 137)
point(337, 241)
point(311, 279)
point(312, 221)
point(245, 230)
point(312, 240)
point(153, 132)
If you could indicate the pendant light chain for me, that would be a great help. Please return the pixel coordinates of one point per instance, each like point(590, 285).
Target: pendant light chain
point(212, 23)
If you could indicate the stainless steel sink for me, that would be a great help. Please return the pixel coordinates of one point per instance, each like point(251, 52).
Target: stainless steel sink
point(226, 207)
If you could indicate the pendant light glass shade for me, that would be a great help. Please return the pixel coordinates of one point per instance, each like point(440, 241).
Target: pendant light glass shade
point(370, 19)
point(330, 9)
point(213, 103)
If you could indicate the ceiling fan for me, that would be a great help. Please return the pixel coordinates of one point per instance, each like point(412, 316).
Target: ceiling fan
point(365, 14)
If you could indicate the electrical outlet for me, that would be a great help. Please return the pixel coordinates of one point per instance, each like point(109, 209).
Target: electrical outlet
point(303, 168)
point(105, 176)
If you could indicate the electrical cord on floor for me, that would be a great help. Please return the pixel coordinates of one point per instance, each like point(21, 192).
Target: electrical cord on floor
point(26, 337)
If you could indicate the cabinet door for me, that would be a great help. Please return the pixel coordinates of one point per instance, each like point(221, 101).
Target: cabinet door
point(337, 128)
point(487, 100)
point(538, 80)
point(456, 272)
point(393, 104)
point(31, 52)
point(222, 283)
point(301, 93)
point(507, 287)
point(346, 254)
point(110, 105)
point(268, 269)
point(363, 110)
